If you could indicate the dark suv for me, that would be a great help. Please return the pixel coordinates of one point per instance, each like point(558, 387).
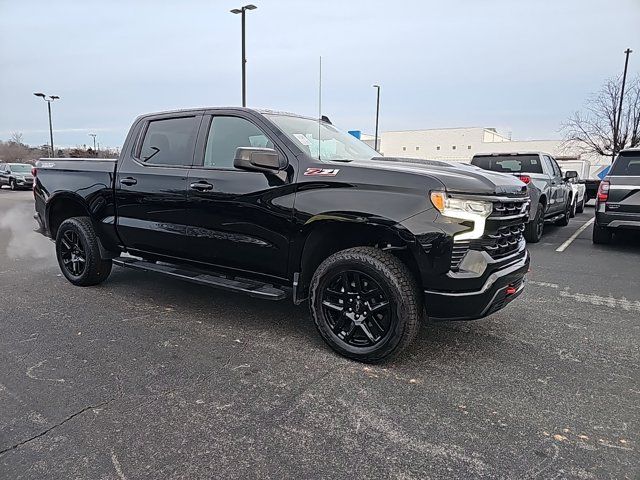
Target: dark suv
point(618, 200)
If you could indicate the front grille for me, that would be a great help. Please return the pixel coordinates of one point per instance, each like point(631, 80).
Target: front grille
point(509, 208)
point(504, 233)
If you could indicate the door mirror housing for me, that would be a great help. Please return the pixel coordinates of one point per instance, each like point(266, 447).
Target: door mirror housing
point(570, 174)
point(259, 160)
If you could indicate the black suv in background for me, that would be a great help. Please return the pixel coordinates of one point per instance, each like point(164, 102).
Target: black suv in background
point(618, 200)
point(551, 195)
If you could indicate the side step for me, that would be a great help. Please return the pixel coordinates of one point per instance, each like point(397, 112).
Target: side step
point(553, 219)
point(235, 284)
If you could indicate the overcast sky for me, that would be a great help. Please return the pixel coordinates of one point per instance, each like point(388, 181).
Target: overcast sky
point(521, 66)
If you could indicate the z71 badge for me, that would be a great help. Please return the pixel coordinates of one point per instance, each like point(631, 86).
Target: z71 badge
point(322, 172)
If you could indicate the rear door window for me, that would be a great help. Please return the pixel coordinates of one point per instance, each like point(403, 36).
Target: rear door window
point(508, 163)
point(170, 141)
point(627, 164)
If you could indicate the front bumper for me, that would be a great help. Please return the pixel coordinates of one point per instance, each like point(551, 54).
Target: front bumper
point(500, 288)
point(24, 183)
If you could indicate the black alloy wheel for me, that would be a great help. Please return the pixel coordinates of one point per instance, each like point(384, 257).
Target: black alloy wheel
point(365, 303)
point(533, 229)
point(356, 308)
point(79, 254)
point(72, 253)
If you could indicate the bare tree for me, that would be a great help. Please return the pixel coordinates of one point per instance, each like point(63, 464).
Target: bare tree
point(593, 130)
point(16, 137)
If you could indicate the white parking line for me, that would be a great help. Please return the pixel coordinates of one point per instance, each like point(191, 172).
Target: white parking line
point(564, 246)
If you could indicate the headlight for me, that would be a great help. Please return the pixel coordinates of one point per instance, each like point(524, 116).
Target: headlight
point(472, 210)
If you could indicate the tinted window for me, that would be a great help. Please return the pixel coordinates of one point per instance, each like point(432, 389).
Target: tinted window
point(626, 164)
point(226, 134)
point(549, 165)
point(170, 141)
point(556, 169)
point(508, 163)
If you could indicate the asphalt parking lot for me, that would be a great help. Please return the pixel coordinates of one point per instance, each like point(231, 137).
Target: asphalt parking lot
point(146, 377)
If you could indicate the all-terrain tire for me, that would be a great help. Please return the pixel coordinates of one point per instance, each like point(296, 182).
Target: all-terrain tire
point(533, 229)
point(396, 282)
point(95, 269)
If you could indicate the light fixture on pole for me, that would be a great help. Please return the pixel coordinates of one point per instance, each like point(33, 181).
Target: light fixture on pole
point(94, 141)
point(50, 99)
point(242, 11)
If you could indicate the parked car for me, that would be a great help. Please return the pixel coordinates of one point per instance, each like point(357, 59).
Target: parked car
point(618, 201)
point(579, 192)
point(275, 205)
point(551, 195)
point(16, 175)
point(586, 175)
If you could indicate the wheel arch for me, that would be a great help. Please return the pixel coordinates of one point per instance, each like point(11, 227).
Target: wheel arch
point(323, 238)
point(63, 206)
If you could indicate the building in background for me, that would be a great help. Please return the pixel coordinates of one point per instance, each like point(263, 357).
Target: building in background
point(461, 144)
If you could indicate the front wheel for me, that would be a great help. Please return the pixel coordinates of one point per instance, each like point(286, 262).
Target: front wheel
point(12, 184)
point(580, 207)
point(366, 304)
point(79, 254)
point(533, 229)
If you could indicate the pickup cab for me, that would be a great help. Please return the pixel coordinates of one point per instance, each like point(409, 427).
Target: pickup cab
point(551, 194)
point(276, 205)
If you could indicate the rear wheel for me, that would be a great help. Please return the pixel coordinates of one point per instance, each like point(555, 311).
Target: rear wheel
point(533, 230)
point(601, 235)
point(365, 304)
point(79, 254)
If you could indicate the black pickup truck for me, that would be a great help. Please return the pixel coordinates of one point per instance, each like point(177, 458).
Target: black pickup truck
point(276, 205)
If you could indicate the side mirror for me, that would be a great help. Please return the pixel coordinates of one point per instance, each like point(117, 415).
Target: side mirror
point(570, 174)
point(259, 160)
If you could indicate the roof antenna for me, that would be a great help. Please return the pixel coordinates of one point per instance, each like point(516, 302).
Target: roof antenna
point(319, 105)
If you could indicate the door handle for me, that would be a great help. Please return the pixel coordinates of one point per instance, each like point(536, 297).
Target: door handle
point(201, 186)
point(128, 181)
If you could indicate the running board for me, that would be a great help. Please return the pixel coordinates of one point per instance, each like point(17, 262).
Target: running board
point(236, 284)
point(553, 219)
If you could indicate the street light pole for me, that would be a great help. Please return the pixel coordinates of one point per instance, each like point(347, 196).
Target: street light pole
point(49, 100)
point(377, 115)
point(616, 131)
point(242, 11)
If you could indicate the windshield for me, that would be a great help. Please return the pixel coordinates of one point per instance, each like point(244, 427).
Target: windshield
point(626, 164)
point(20, 168)
point(323, 141)
point(509, 163)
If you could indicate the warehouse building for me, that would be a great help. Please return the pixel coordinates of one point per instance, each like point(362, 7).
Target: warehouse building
point(461, 144)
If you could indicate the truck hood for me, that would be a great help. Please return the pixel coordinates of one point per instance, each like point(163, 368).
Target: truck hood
point(456, 177)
